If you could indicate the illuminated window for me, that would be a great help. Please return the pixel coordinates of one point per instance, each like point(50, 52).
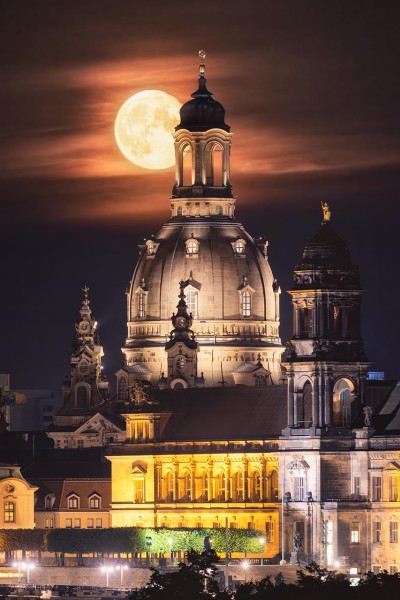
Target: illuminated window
point(186, 486)
point(269, 532)
point(94, 502)
point(139, 490)
point(203, 486)
point(355, 532)
point(169, 486)
point(394, 532)
point(240, 247)
point(9, 512)
point(377, 489)
point(256, 486)
point(49, 523)
point(220, 487)
point(238, 488)
point(73, 502)
point(192, 247)
point(246, 303)
point(298, 488)
point(274, 486)
point(393, 488)
point(141, 303)
point(377, 532)
point(191, 301)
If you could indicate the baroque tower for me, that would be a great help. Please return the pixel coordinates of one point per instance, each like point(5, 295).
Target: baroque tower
point(325, 361)
point(229, 287)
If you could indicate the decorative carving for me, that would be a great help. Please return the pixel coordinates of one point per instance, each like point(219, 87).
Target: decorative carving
point(367, 410)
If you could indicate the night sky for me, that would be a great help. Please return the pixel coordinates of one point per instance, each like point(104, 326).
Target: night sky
point(311, 91)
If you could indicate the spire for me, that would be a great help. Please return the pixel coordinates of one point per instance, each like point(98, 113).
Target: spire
point(182, 322)
point(202, 91)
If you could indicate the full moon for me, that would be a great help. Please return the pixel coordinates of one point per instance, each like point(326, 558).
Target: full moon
point(144, 128)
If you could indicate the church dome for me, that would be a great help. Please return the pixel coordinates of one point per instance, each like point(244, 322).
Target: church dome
point(203, 112)
point(229, 288)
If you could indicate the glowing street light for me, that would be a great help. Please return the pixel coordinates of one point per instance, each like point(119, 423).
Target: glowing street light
point(22, 566)
point(107, 569)
point(245, 565)
point(122, 568)
point(261, 541)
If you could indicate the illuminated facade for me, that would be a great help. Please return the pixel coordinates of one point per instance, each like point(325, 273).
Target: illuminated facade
point(230, 290)
point(16, 498)
point(213, 423)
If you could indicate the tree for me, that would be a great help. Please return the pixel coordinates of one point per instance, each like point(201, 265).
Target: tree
point(192, 581)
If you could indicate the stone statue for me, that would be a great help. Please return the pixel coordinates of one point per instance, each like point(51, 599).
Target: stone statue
point(207, 544)
point(367, 410)
point(297, 543)
point(326, 212)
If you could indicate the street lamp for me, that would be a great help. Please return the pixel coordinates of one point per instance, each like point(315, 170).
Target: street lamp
point(122, 568)
point(261, 541)
point(170, 544)
point(107, 569)
point(149, 541)
point(285, 496)
point(28, 566)
point(245, 565)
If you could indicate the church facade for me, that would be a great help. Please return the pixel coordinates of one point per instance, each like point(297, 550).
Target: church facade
point(213, 419)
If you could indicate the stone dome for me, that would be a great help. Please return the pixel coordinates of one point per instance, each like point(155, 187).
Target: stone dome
point(326, 248)
point(203, 112)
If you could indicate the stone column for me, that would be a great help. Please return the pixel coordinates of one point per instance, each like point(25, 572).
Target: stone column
point(290, 400)
point(316, 400)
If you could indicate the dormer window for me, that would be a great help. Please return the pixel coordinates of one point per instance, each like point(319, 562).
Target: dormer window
point(192, 248)
point(239, 247)
point(94, 502)
point(141, 301)
point(246, 304)
point(73, 502)
point(49, 501)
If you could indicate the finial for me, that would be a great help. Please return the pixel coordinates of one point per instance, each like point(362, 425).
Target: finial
point(202, 67)
point(244, 280)
point(85, 291)
point(326, 212)
point(182, 285)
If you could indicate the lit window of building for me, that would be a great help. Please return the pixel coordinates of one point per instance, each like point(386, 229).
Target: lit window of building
point(376, 488)
point(9, 512)
point(192, 247)
point(355, 532)
point(73, 502)
point(246, 303)
point(94, 502)
point(394, 532)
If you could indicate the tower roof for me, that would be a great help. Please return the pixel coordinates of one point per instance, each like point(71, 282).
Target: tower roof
point(326, 248)
point(203, 112)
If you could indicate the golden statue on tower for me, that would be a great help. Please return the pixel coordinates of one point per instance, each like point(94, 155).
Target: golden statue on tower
point(326, 212)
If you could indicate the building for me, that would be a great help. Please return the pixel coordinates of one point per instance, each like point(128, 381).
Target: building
point(211, 419)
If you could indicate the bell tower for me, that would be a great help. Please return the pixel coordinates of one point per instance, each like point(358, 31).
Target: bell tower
point(325, 361)
point(202, 152)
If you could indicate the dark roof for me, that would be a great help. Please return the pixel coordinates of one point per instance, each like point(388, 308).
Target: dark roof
point(203, 112)
point(230, 413)
point(327, 248)
point(83, 463)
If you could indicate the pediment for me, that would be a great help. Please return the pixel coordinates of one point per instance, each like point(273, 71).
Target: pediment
point(139, 468)
point(392, 466)
point(98, 423)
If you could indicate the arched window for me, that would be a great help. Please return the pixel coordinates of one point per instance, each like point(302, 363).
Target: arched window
point(304, 406)
point(192, 247)
point(94, 502)
point(187, 166)
point(191, 301)
point(343, 395)
point(274, 486)
point(256, 486)
point(82, 397)
point(238, 490)
point(123, 389)
point(186, 486)
point(9, 512)
point(217, 165)
point(246, 303)
point(169, 482)
point(203, 486)
point(220, 487)
point(179, 212)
